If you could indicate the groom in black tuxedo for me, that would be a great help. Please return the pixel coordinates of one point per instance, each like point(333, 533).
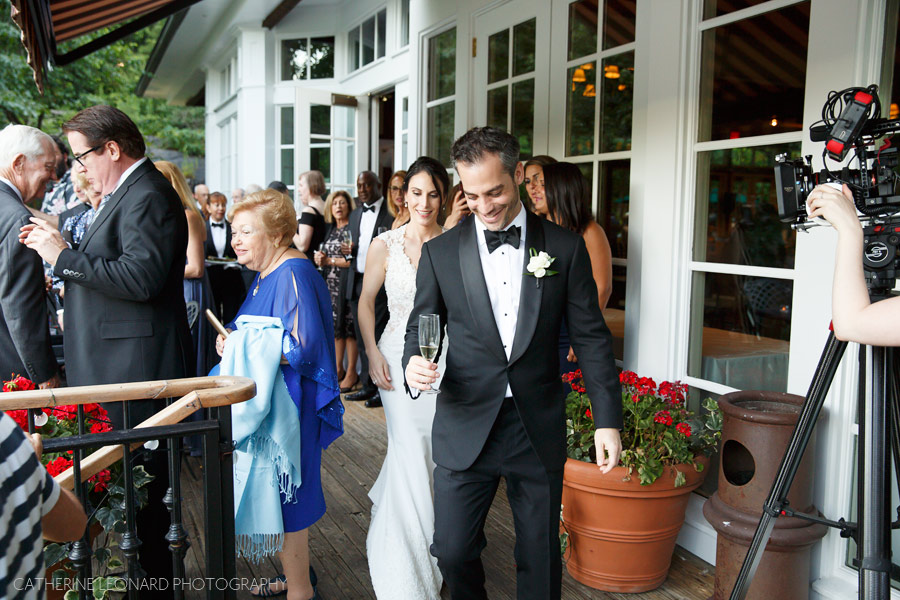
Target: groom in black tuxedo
point(501, 411)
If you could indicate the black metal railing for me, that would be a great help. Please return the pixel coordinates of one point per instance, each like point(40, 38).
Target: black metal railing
point(215, 395)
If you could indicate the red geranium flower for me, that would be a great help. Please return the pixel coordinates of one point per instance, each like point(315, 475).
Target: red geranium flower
point(664, 417)
point(684, 429)
point(588, 414)
point(58, 465)
point(100, 480)
point(18, 384)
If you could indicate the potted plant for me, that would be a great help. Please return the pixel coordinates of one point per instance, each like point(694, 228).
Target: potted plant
point(620, 528)
point(105, 499)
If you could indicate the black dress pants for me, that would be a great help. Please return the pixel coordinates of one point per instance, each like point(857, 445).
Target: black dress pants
point(462, 500)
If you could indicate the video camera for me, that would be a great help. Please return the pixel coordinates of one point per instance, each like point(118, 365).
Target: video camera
point(858, 126)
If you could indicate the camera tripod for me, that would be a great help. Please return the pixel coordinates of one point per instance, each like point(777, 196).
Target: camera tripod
point(879, 424)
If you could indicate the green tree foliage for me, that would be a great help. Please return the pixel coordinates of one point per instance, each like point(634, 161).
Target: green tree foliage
point(108, 76)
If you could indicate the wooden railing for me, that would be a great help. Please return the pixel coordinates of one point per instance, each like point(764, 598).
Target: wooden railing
point(185, 397)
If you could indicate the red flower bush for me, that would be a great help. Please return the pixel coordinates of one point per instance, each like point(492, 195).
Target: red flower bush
point(658, 427)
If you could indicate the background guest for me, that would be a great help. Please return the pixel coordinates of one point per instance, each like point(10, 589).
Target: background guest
point(225, 280)
point(396, 205)
point(279, 186)
point(457, 209)
point(287, 286)
point(567, 198)
point(237, 195)
point(252, 189)
point(27, 163)
point(311, 225)
point(62, 194)
point(201, 195)
point(369, 219)
point(198, 294)
point(534, 183)
point(335, 266)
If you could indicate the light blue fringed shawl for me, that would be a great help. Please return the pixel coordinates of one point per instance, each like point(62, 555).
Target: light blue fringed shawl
point(266, 432)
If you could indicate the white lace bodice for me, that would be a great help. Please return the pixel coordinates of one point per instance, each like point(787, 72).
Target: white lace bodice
point(399, 282)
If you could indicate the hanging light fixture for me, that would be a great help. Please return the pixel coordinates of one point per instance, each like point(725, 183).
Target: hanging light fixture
point(611, 72)
point(894, 112)
point(622, 87)
point(587, 66)
point(589, 91)
point(774, 121)
point(578, 76)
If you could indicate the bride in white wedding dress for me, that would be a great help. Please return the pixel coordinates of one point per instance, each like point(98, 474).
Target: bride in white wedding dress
point(402, 525)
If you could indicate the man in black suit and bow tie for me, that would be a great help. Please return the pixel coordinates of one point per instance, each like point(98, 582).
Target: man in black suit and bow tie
point(27, 163)
point(125, 311)
point(501, 411)
point(225, 280)
point(370, 214)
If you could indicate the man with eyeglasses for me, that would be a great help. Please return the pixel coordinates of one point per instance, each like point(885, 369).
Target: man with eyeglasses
point(125, 312)
point(27, 163)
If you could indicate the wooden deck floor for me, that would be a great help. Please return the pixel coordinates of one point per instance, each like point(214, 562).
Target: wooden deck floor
point(338, 540)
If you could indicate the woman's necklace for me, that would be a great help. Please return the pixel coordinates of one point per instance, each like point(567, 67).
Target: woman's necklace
point(263, 276)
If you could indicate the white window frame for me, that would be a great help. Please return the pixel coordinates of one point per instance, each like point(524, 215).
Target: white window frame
point(425, 40)
point(358, 27)
point(279, 46)
point(279, 146)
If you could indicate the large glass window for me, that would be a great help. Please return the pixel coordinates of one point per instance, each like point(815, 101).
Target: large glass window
point(510, 84)
point(367, 41)
point(753, 76)
point(285, 119)
point(599, 106)
point(307, 58)
point(743, 255)
point(441, 98)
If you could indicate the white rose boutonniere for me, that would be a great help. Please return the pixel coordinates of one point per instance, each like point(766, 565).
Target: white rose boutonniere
point(539, 265)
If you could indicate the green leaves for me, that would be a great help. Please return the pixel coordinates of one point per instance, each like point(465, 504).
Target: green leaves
point(108, 76)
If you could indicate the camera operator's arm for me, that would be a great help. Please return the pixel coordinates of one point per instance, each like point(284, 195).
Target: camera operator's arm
point(854, 316)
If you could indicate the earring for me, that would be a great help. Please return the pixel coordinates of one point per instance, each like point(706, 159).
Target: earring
point(405, 204)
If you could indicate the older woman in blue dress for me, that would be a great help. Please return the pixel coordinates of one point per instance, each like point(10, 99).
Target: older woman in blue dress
point(289, 288)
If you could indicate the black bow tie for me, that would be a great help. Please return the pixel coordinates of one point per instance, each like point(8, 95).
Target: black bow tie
point(495, 239)
point(368, 207)
point(222, 225)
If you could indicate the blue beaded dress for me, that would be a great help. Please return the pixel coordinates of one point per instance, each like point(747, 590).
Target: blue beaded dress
point(296, 290)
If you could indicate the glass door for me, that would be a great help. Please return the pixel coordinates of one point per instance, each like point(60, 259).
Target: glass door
point(328, 140)
point(511, 52)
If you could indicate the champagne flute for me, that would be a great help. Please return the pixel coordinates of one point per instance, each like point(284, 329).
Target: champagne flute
point(429, 340)
point(347, 238)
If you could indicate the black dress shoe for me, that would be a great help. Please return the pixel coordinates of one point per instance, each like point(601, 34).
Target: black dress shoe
point(374, 402)
point(363, 394)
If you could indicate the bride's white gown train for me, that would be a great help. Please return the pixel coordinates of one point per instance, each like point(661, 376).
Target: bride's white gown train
point(402, 525)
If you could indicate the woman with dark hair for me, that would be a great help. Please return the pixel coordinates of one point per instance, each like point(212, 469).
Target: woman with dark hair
point(567, 200)
point(402, 524)
point(534, 182)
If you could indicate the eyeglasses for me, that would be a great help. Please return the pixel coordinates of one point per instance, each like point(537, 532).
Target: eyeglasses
point(396, 188)
point(78, 157)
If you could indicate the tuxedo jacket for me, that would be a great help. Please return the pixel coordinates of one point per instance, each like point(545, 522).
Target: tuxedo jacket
point(24, 333)
point(125, 311)
point(210, 246)
point(384, 219)
point(450, 283)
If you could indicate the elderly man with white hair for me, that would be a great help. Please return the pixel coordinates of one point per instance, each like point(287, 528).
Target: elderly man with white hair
point(27, 163)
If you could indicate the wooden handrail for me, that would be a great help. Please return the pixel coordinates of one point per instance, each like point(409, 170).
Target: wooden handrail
point(195, 392)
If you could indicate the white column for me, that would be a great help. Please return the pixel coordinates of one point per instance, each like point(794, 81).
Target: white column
point(255, 127)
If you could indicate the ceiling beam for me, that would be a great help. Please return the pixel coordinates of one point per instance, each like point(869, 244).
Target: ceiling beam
point(279, 12)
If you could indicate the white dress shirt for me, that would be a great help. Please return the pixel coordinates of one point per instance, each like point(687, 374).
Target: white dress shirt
point(366, 231)
point(503, 270)
point(218, 236)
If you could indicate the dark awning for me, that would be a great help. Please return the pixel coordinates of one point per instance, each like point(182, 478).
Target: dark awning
point(46, 23)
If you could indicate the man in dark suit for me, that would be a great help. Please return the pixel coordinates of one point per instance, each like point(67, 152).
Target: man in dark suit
point(125, 311)
point(225, 280)
point(501, 411)
point(370, 214)
point(27, 163)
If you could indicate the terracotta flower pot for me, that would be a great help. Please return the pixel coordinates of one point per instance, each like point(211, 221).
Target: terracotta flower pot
point(621, 533)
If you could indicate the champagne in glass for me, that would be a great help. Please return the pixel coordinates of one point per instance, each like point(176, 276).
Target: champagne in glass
point(429, 340)
point(347, 238)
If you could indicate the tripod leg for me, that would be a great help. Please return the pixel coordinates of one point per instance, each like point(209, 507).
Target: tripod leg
point(815, 398)
point(874, 500)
